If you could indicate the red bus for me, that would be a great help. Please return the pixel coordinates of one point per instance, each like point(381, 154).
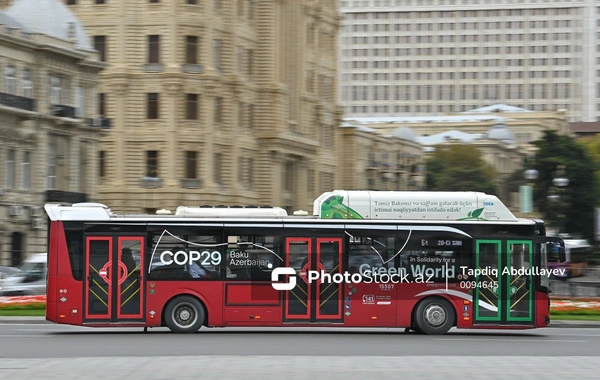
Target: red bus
point(423, 261)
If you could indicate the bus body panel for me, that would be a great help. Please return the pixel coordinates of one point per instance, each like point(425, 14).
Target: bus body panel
point(159, 293)
point(69, 308)
point(53, 257)
point(542, 308)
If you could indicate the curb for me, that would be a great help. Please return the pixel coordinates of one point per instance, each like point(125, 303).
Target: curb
point(26, 320)
point(575, 324)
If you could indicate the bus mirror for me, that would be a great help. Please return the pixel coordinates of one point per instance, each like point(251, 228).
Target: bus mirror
point(562, 257)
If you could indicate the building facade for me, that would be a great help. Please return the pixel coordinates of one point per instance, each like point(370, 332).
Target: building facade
point(371, 160)
point(48, 140)
point(431, 57)
point(525, 126)
point(216, 102)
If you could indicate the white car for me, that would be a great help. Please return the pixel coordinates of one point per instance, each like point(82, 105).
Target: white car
point(30, 280)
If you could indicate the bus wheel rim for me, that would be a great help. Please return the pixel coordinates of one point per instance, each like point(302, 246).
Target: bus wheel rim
point(184, 315)
point(435, 315)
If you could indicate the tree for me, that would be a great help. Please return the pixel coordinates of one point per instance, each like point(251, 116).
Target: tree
point(592, 147)
point(579, 197)
point(459, 167)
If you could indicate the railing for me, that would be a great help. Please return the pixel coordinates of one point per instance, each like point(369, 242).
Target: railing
point(99, 122)
point(575, 288)
point(62, 111)
point(15, 101)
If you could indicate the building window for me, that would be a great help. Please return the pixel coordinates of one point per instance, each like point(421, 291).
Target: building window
point(192, 2)
point(102, 163)
point(217, 54)
point(218, 110)
point(79, 101)
point(152, 106)
point(241, 111)
point(250, 62)
point(11, 80)
point(191, 50)
point(239, 60)
point(240, 8)
point(251, 116)
point(154, 49)
point(51, 175)
point(191, 106)
point(83, 167)
point(26, 83)
point(100, 1)
point(288, 176)
point(217, 6)
point(191, 165)
point(102, 104)
point(56, 94)
point(154, 1)
point(217, 169)
point(71, 2)
point(250, 11)
point(100, 45)
point(10, 169)
point(26, 171)
point(152, 163)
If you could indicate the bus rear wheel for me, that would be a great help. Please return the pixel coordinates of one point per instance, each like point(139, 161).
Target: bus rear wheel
point(185, 314)
point(434, 316)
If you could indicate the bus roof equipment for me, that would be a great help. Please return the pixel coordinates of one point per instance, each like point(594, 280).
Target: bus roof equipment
point(338, 204)
point(411, 205)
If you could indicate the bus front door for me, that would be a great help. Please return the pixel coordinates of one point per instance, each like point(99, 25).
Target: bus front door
point(314, 300)
point(113, 287)
point(503, 286)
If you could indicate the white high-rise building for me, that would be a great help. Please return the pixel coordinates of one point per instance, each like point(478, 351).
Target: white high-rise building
point(430, 57)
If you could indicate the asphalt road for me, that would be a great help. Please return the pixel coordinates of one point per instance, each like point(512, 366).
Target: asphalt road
point(54, 351)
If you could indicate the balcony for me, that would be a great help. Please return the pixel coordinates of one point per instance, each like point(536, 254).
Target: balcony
point(191, 68)
point(62, 111)
point(191, 183)
point(154, 67)
point(15, 101)
point(151, 182)
point(99, 122)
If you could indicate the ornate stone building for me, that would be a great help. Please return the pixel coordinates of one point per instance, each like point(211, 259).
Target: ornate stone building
point(48, 139)
point(525, 126)
point(370, 160)
point(216, 102)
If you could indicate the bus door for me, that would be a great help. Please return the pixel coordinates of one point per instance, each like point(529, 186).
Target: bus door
point(314, 300)
point(113, 287)
point(503, 287)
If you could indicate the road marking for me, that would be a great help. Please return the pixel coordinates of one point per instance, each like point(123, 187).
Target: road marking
point(515, 340)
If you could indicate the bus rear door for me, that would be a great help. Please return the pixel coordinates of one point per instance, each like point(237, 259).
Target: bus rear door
point(113, 287)
point(314, 301)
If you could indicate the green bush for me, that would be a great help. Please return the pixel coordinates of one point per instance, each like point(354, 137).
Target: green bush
point(576, 312)
point(24, 306)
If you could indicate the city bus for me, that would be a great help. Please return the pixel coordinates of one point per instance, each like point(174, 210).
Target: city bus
point(420, 261)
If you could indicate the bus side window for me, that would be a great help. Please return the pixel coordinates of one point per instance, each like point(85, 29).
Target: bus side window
point(74, 246)
point(252, 257)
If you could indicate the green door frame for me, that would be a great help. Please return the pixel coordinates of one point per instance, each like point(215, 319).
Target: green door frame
point(504, 292)
point(476, 295)
point(529, 283)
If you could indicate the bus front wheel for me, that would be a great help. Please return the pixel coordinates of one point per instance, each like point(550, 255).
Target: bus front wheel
point(185, 314)
point(434, 316)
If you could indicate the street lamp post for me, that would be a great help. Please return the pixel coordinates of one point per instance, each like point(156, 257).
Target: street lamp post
point(527, 191)
point(560, 182)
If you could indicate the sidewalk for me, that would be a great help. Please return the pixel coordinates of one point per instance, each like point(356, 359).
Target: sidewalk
point(555, 323)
